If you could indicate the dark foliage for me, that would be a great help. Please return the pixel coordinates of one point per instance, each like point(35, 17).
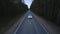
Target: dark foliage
point(10, 9)
point(49, 9)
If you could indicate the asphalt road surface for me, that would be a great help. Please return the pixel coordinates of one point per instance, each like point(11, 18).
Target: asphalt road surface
point(31, 26)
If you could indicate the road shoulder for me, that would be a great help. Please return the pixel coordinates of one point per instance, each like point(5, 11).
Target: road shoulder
point(52, 28)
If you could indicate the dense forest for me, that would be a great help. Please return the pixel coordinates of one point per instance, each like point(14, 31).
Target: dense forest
point(49, 9)
point(10, 9)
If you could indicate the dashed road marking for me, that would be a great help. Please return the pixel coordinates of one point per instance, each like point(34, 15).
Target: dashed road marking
point(29, 21)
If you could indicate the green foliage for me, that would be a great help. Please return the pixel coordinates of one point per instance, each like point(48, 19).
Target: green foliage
point(47, 8)
point(43, 2)
point(12, 7)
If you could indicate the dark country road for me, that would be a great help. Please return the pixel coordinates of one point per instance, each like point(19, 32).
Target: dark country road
point(30, 26)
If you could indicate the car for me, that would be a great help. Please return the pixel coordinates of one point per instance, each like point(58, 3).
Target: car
point(29, 16)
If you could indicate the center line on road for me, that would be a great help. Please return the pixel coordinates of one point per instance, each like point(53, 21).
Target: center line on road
point(29, 21)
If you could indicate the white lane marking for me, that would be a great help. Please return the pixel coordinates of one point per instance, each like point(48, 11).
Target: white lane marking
point(20, 23)
point(43, 26)
point(29, 21)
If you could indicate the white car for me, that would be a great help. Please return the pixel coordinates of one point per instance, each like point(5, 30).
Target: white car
point(30, 16)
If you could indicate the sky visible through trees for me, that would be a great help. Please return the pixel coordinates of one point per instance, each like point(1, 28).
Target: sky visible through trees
point(27, 2)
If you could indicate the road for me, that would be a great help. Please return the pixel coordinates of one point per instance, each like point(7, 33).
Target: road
point(30, 26)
